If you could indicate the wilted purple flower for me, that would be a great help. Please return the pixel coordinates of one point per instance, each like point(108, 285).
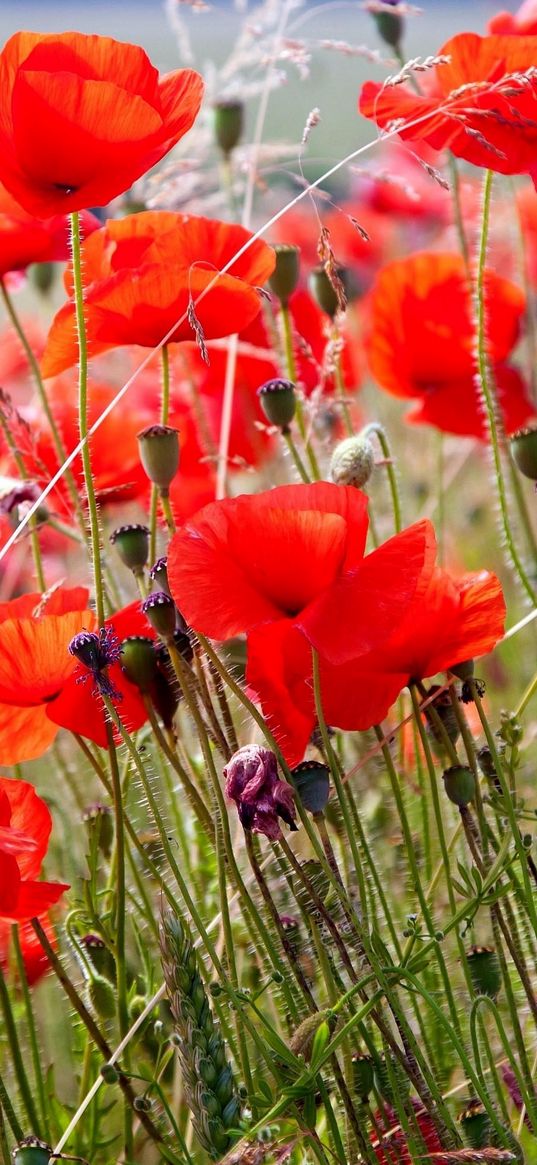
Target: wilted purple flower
point(260, 796)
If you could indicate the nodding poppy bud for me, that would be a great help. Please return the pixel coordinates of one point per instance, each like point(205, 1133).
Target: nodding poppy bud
point(285, 276)
point(524, 449)
point(484, 969)
point(32, 1151)
point(102, 996)
point(330, 292)
point(459, 783)
point(159, 575)
point(139, 661)
point(278, 401)
point(311, 780)
point(353, 461)
point(228, 123)
point(475, 1125)
point(159, 454)
point(100, 822)
point(161, 612)
point(363, 1075)
point(132, 545)
point(389, 21)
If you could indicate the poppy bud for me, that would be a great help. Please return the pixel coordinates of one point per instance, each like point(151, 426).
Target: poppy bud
point(228, 123)
point(524, 449)
point(278, 401)
point(161, 612)
point(446, 714)
point(102, 996)
point(159, 575)
point(284, 278)
point(132, 545)
point(324, 291)
point(43, 276)
point(99, 955)
point(139, 661)
point(459, 783)
point(109, 1073)
point(353, 461)
point(32, 1151)
point(475, 1125)
point(484, 971)
point(100, 822)
point(363, 1074)
point(390, 25)
point(312, 782)
point(159, 454)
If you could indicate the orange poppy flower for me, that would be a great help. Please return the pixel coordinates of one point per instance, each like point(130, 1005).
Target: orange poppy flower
point(523, 22)
point(82, 117)
point(25, 239)
point(481, 104)
point(143, 271)
point(421, 342)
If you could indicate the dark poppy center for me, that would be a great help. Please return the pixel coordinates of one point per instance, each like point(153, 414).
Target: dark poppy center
point(64, 189)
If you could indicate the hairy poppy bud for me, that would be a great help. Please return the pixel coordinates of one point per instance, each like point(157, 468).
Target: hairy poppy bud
point(132, 545)
point(284, 278)
point(459, 783)
point(389, 22)
point(524, 449)
point(159, 454)
point(161, 612)
point(99, 820)
point(261, 798)
point(484, 971)
point(228, 121)
point(102, 996)
point(475, 1125)
point(353, 461)
point(278, 401)
point(99, 955)
point(311, 780)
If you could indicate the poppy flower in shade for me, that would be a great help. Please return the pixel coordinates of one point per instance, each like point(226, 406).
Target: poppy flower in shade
point(144, 270)
point(25, 826)
point(481, 103)
point(78, 706)
point(392, 1148)
point(36, 962)
point(34, 665)
point(25, 239)
point(421, 341)
point(523, 22)
point(105, 117)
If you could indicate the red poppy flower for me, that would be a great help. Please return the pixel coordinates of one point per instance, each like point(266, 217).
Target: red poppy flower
point(421, 342)
point(392, 1149)
point(104, 118)
point(481, 104)
point(142, 272)
point(25, 825)
point(523, 22)
point(36, 962)
point(34, 665)
point(25, 239)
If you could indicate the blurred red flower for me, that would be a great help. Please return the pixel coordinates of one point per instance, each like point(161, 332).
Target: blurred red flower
point(481, 103)
point(36, 963)
point(421, 342)
point(25, 826)
point(523, 22)
point(143, 271)
point(25, 239)
point(392, 1149)
point(82, 117)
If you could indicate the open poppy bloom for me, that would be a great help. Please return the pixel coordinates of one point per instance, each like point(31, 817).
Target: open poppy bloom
point(142, 272)
point(421, 342)
point(82, 117)
point(25, 239)
point(25, 825)
point(481, 103)
point(523, 22)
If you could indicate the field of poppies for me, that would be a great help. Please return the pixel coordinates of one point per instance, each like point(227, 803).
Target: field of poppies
point(268, 580)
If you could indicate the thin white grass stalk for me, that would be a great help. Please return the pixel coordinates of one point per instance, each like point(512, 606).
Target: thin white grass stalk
point(259, 234)
point(246, 218)
point(518, 626)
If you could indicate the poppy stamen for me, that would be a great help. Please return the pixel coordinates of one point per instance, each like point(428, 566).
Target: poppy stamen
point(96, 652)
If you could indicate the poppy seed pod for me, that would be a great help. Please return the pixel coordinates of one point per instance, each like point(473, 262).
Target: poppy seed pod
point(31, 1151)
point(311, 780)
point(475, 1125)
point(228, 124)
point(132, 545)
point(159, 575)
point(159, 454)
point(484, 969)
point(324, 289)
point(363, 1075)
point(139, 661)
point(524, 450)
point(459, 783)
point(286, 273)
point(353, 461)
point(161, 612)
point(278, 401)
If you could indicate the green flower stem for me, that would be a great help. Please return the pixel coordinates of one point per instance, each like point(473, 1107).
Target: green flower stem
point(378, 430)
point(43, 399)
point(11, 1116)
point(225, 709)
point(17, 1057)
point(295, 456)
point(167, 511)
point(92, 1027)
point(340, 394)
point(458, 211)
point(518, 491)
point(528, 1094)
point(206, 700)
point(196, 802)
point(290, 367)
point(488, 398)
point(32, 1032)
point(95, 532)
point(163, 419)
point(287, 339)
